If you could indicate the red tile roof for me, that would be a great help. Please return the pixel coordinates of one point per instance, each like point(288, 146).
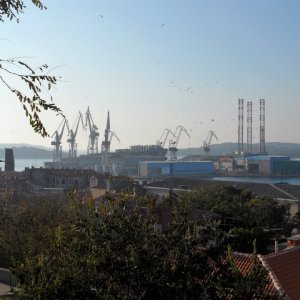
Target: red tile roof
point(284, 266)
point(243, 261)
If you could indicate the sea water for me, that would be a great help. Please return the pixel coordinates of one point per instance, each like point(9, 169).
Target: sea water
point(259, 179)
point(21, 164)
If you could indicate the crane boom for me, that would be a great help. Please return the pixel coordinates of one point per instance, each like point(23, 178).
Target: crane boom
point(174, 143)
point(57, 154)
point(105, 146)
point(207, 142)
point(162, 140)
point(94, 134)
point(73, 133)
point(113, 134)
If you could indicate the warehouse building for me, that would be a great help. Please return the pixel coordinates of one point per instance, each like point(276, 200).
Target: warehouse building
point(156, 169)
point(286, 167)
point(266, 164)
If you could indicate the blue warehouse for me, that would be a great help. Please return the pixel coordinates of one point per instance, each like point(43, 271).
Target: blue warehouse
point(156, 169)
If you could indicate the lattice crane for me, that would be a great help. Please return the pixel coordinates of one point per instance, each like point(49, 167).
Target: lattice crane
point(113, 134)
point(207, 142)
point(57, 154)
point(94, 134)
point(72, 135)
point(174, 142)
point(163, 138)
point(105, 146)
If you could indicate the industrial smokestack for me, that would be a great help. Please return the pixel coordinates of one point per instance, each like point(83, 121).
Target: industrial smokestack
point(262, 132)
point(9, 160)
point(241, 127)
point(249, 127)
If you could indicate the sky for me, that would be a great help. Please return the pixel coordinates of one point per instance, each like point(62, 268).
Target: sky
point(159, 64)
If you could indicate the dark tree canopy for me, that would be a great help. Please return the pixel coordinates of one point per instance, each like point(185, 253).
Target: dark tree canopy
point(68, 250)
point(34, 97)
point(244, 216)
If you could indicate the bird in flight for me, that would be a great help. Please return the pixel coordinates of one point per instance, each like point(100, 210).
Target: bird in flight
point(162, 25)
point(101, 16)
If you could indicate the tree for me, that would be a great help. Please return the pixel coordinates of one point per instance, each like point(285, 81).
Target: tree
point(244, 216)
point(116, 253)
point(35, 81)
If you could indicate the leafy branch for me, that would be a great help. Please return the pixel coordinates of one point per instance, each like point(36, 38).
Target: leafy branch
point(12, 8)
point(32, 104)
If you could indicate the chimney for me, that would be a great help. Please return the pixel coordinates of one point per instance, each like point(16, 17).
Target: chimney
point(249, 127)
point(9, 160)
point(262, 129)
point(241, 127)
point(293, 241)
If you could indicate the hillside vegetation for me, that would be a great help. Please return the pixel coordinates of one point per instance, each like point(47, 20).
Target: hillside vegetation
point(275, 148)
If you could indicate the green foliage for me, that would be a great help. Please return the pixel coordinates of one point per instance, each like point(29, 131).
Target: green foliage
point(36, 82)
point(27, 225)
point(67, 250)
point(244, 217)
point(12, 8)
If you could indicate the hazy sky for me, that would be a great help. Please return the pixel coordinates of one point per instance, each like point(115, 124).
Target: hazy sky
point(156, 64)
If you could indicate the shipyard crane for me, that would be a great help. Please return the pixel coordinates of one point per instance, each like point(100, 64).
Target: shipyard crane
point(174, 142)
point(105, 146)
point(108, 135)
point(72, 135)
point(57, 139)
point(207, 142)
point(94, 134)
point(162, 140)
point(113, 134)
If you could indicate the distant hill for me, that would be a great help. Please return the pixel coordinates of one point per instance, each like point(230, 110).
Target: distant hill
point(20, 145)
point(23, 151)
point(28, 153)
point(275, 148)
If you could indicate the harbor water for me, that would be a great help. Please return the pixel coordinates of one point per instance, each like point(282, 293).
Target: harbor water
point(21, 164)
point(259, 179)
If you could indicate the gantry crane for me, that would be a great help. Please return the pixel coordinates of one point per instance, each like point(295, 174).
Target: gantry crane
point(72, 136)
point(174, 142)
point(207, 142)
point(162, 140)
point(94, 134)
point(57, 139)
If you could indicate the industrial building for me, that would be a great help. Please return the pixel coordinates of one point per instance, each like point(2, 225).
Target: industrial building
point(286, 167)
point(154, 169)
point(271, 165)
